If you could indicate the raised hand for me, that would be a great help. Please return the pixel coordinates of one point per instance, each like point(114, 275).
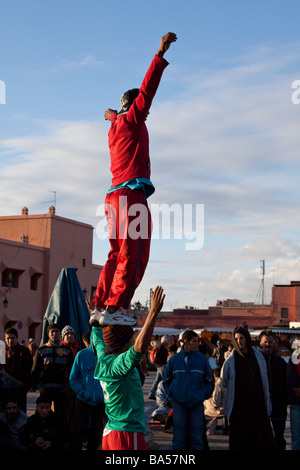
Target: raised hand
point(157, 299)
point(165, 43)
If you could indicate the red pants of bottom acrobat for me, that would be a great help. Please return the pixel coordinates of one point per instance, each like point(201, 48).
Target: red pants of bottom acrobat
point(123, 440)
point(129, 231)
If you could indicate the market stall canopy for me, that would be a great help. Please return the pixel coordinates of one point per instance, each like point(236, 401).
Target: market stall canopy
point(214, 330)
point(281, 331)
point(67, 306)
point(161, 331)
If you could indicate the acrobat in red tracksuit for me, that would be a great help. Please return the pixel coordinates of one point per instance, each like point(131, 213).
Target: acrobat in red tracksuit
point(128, 142)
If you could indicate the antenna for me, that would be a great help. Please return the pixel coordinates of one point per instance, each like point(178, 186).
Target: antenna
point(262, 271)
point(53, 200)
point(261, 290)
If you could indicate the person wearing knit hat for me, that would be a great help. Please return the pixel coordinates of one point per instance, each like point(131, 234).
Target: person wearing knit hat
point(118, 358)
point(67, 329)
point(247, 400)
point(68, 336)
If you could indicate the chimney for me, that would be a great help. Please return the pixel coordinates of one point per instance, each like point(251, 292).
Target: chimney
point(52, 210)
point(24, 211)
point(25, 239)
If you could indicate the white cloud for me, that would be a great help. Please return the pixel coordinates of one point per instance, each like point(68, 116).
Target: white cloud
point(64, 65)
point(71, 159)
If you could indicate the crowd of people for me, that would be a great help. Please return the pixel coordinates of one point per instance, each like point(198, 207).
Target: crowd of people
point(251, 390)
point(69, 408)
point(251, 387)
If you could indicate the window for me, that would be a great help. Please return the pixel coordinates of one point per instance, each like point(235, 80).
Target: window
point(35, 274)
point(34, 281)
point(10, 277)
point(284, 312)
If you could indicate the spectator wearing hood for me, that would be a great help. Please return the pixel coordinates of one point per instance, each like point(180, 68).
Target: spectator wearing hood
point(89, 410)
point(247, 401)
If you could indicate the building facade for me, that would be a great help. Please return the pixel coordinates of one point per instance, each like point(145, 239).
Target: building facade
point(257, 317)
point(283, 310)
point(286, 303)
point(33, 250)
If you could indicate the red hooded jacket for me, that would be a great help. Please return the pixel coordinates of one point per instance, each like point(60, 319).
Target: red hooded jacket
point(128, 138)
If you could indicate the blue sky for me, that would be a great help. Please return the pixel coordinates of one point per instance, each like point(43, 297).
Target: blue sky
point(224, 131)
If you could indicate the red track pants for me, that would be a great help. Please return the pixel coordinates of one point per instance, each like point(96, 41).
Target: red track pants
point(129, 231)
point(123, 440)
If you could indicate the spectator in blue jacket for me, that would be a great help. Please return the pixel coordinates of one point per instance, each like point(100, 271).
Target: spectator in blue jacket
point(89, 410)
point(188, 381)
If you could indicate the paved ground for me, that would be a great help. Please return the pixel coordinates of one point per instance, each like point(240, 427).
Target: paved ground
point(164, 440)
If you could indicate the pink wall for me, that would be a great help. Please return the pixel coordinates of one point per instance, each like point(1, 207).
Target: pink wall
point(53, 243)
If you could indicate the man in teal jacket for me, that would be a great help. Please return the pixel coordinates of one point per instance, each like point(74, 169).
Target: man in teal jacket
point(118, 358)
point(188, 381)
point(89, 407)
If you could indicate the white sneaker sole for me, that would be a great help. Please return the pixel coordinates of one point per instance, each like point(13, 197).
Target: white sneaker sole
point(117, 318)
point(95, 317)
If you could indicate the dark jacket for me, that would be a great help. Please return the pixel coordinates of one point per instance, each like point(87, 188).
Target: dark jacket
point(161, 355)
point(52, 366)
point(18, 364)
point(218, 355)
point(49, 430)
point(293, 381)
point(276, 368)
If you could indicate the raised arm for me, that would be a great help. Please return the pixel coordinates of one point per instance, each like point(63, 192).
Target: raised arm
point(143, 339)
